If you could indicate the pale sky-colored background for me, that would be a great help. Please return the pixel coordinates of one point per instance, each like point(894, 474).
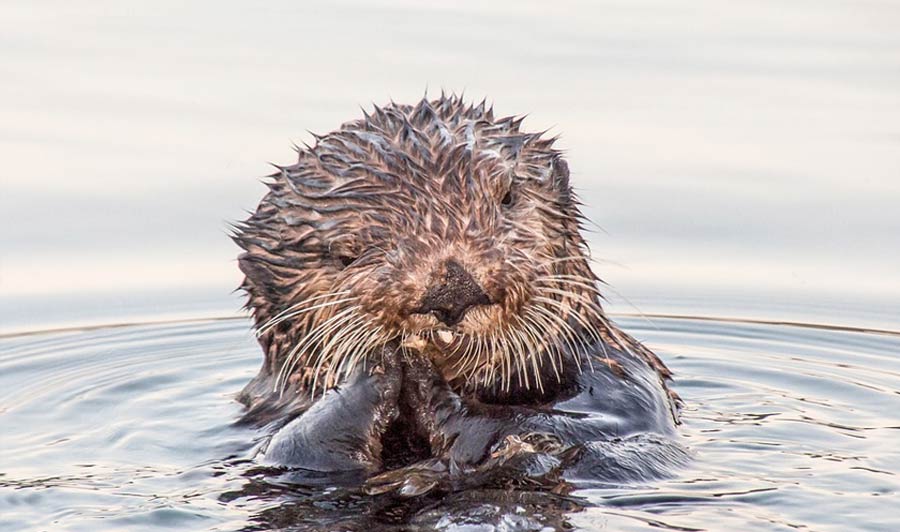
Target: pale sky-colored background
point(743, 158)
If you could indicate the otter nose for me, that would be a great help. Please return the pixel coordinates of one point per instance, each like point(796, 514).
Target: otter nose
point(456, 293)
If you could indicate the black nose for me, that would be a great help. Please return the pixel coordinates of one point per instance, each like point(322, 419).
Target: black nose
point(456, 293)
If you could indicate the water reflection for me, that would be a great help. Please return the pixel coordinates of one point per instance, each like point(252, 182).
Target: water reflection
point(133, 427)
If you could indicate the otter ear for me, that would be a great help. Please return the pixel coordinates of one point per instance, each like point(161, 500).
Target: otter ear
point(559, 178)
point(560, 173)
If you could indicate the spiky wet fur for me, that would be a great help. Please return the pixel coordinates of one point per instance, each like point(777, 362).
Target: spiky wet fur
point(347, 240)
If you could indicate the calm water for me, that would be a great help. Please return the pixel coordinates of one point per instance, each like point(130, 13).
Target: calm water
point(741, 158)
point(130, 428)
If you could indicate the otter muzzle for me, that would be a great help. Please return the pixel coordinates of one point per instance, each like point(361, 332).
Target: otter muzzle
point(456, 293)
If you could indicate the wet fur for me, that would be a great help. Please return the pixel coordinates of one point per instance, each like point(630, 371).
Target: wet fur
point(349, 239)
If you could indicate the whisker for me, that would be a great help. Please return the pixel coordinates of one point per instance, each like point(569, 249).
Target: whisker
point(375, 337)
point(522, 347)
point(540, 325)
point(342, 360)
point(335, 369)
point(568, 334)
point(327, 351)
point(343, 318)
point(272, 323)
point(312, 336)
point(568, 279)
point(487, 374)
point(300, 304)
point(590, 328)
point(535, 355)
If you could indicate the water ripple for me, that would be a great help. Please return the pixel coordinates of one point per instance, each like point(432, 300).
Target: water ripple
point(131, 427)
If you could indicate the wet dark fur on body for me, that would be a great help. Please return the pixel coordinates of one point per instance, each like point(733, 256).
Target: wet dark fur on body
point(422, 294)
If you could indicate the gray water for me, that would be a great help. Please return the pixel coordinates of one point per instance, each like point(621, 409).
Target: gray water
point(131, 428)
point(740, 160)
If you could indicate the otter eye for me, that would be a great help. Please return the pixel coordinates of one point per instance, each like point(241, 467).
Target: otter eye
point(347, 260)
point(507, 199)
point(342, 253)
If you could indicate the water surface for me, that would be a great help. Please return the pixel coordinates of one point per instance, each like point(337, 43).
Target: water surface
point(132, 427)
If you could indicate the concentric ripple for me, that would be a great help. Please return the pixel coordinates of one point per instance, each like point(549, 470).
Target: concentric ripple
point(132, 428)
point(121, 427)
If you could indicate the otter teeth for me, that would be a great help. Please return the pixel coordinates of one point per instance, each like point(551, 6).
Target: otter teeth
point(445, 336)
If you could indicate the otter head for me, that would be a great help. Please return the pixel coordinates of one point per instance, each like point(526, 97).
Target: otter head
point(437, 227)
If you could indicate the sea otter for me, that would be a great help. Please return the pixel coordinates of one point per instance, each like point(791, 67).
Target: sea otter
point(422, 293)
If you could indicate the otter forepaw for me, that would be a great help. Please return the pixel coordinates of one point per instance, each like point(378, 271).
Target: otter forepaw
point(341, 431)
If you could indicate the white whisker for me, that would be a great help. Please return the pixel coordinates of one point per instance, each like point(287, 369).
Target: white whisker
point(274, 322)
point(300, 304)
point(309, 339)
